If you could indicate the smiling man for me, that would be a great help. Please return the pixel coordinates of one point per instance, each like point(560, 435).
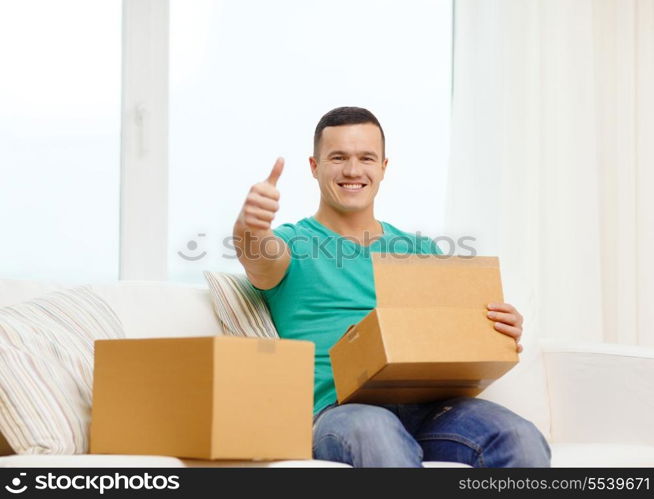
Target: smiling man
point(316, 277)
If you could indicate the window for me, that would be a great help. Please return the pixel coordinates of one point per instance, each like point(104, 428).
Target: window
point(60, 139)
point(249, 81)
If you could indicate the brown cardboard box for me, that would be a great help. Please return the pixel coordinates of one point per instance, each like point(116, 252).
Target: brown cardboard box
point(207, 398)
point(429, 336)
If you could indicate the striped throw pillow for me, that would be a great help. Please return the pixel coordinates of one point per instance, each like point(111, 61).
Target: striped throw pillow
point(46, 369)
point(239, 306)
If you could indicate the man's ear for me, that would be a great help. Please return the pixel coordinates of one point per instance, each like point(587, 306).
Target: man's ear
point(384, 165)
point(314, 166)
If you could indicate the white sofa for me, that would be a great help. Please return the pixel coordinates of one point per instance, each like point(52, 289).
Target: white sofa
point(593, 402)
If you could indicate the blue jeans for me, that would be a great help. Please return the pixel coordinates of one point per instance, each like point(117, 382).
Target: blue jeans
point(466, 430)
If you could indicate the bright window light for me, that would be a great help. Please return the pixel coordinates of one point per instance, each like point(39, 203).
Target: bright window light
point(60, 139)
point(250, 80)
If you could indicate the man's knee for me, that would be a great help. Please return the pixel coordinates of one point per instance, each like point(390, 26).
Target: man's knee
point(529, 447)
point(487, 414)
point(364, 435)
point(503, 438)
point(519, 436)
point(358, 421)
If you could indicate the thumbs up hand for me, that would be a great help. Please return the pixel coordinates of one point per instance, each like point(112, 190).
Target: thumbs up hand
point(261, 203)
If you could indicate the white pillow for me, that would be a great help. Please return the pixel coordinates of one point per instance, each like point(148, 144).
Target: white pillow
point(46, 369)
point(153, 309)
point(239, 306)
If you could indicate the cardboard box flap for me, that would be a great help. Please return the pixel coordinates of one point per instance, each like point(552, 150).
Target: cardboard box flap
point(359, 353)
point(411, 280)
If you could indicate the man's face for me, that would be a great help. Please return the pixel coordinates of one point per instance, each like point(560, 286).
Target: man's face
point(350, 165)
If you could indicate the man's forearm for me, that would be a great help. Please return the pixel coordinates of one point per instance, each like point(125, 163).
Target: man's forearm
point(263, 255)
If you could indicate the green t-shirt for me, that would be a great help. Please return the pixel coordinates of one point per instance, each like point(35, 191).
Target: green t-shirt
point(328, 286)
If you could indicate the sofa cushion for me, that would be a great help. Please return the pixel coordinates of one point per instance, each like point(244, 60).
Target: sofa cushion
point(608, 385)
point(154, 309)
point(14, 291)
point(130, 461)
point(599, 455)
point(241, 308)
point(46, 369)
point(125, 461)
point(563, 456)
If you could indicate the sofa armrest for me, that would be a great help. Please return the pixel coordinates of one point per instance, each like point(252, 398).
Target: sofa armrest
point(600, 392)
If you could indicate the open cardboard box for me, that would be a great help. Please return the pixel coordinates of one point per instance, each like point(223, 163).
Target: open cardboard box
point(429, 336)
point(206, 398)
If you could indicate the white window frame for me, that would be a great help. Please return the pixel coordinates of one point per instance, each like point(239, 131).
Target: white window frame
point(144, 141)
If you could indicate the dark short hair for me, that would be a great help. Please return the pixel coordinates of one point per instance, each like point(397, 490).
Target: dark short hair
point(346, 116)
